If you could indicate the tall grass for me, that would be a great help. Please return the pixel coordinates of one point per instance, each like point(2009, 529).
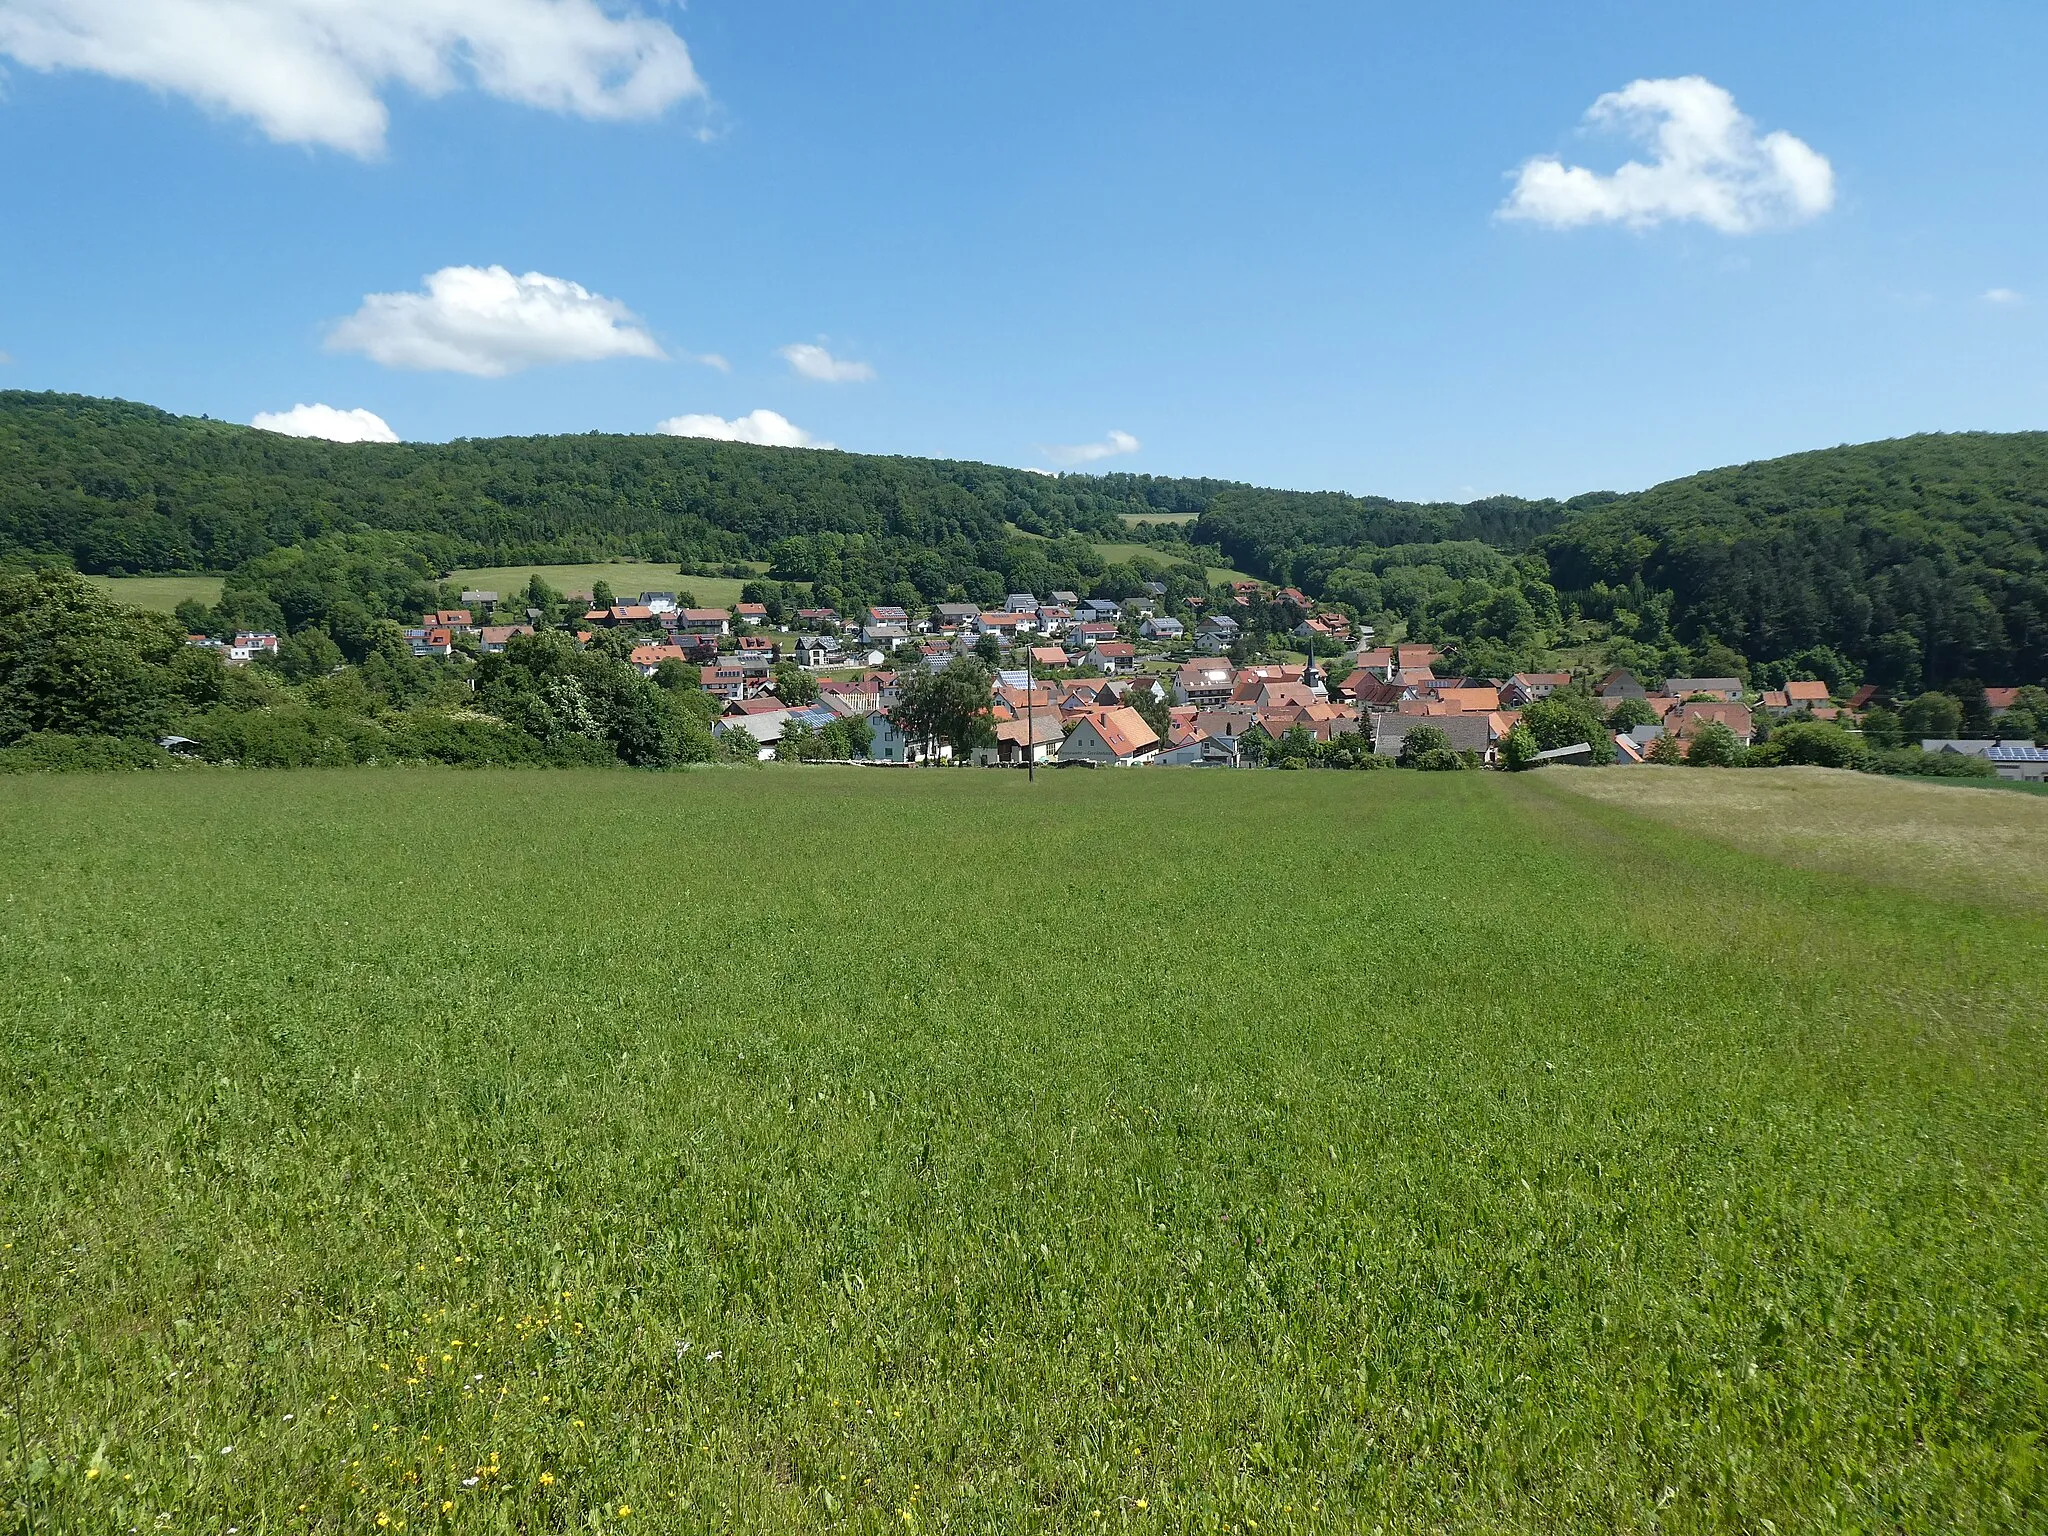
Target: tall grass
point(862, 1152)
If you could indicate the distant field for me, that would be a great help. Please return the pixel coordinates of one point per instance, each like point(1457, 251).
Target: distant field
point(1159, 517)
point(1945, 838)
point(628, 580)
point(162, 593)
point(487, 1151)
point(1165, 557)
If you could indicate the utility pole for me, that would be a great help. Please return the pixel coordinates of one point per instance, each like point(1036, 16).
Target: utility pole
point(1030, 725)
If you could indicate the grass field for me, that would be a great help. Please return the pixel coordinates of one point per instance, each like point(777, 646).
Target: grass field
point(897, 1151)
point(628, 578)
point(1159, 517)
point(162, 593)
point(1217, 573)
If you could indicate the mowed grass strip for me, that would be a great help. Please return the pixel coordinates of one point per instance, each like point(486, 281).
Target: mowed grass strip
point(1928, 835)
point(862, 1151)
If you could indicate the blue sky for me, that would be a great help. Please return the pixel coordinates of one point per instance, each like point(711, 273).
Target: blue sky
point(1264, 243)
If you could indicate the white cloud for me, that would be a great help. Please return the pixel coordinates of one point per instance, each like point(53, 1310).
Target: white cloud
point(485, 321)
point(814, 362)
point(337, 426)
point(1707, 163)
point(314, 71)
point(1088, 453)
point(768, 428)
point(2003, 296)
point(713, 360)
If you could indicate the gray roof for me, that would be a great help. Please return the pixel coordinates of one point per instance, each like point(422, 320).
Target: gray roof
point(1467, 732)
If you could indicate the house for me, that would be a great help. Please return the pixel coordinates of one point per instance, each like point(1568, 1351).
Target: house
point(1865, 696)
point(1052, 619)
point(751, 613)
point(495, 637)
point(1116, 737)
point(658, 603)
point(1688, 718)
point(449, 618)
point(1319, 632)
point(1216, 751)
point(1999, 700)
point(1467, 732)
point(1416, 658)
point(632, 613)
point(1727, 690)
point(1093, 634)
point(815, 650)
point(1033, 739)
point(1528, 687)
point(424, 642)
point(704, 621)
point(1114, 656)
point(1064, 599)
point(1020, 602)
point(1101, 610)
point(758, 645)
point(884, 636)
point(729, 683)
point(649, 657)
point(1798, 695)
point(951, 618)
point(1205, 682)
point(1162, 629)
point(476, 597)
point(1219, 630)
point(818, 618)
point(762, 719)
point(1620, 684)
point(1773, 701)
point(1050, 657)
point(1140, 607)
point(890, 745)
point(1004, 626)
point(2019, 760)
point(1468, 700)
point(888, 613)
point(1379, 660)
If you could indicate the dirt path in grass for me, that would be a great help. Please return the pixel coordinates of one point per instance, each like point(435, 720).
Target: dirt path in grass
point(1952, 840)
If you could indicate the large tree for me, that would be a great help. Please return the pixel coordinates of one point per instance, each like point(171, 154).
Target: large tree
point(73, 660)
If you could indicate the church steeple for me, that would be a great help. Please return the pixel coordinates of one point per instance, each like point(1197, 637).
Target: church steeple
point(1311, 675)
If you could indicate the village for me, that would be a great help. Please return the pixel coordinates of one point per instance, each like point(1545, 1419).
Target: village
point(1122, 684)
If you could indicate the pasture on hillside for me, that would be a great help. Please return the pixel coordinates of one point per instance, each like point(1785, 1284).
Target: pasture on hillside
point(627, 579)
point(842, 1150)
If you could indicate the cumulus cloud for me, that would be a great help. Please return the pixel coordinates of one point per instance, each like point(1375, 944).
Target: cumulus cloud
point(487, 322)
point(768, 428)
point(713, 360)
point(337, 426)
point(315, 71)
point(814, 362)
point(1089, 453)
point(2003, 296)
point(1707, 163)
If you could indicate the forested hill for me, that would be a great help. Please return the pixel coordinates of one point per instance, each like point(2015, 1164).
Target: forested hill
point(1922, 559)
point(1915, 561)
point(118, 486)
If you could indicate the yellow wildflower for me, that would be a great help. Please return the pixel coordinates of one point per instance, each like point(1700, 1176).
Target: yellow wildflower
point(547, 1479)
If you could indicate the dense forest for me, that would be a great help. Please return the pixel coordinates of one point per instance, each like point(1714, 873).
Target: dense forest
point(1912, 563)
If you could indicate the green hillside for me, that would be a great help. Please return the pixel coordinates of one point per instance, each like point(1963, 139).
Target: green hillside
point(1913, 563)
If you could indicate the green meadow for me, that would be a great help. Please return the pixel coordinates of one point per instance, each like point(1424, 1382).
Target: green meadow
point(627, 579)
point(160, 593)
point(864, 1151)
